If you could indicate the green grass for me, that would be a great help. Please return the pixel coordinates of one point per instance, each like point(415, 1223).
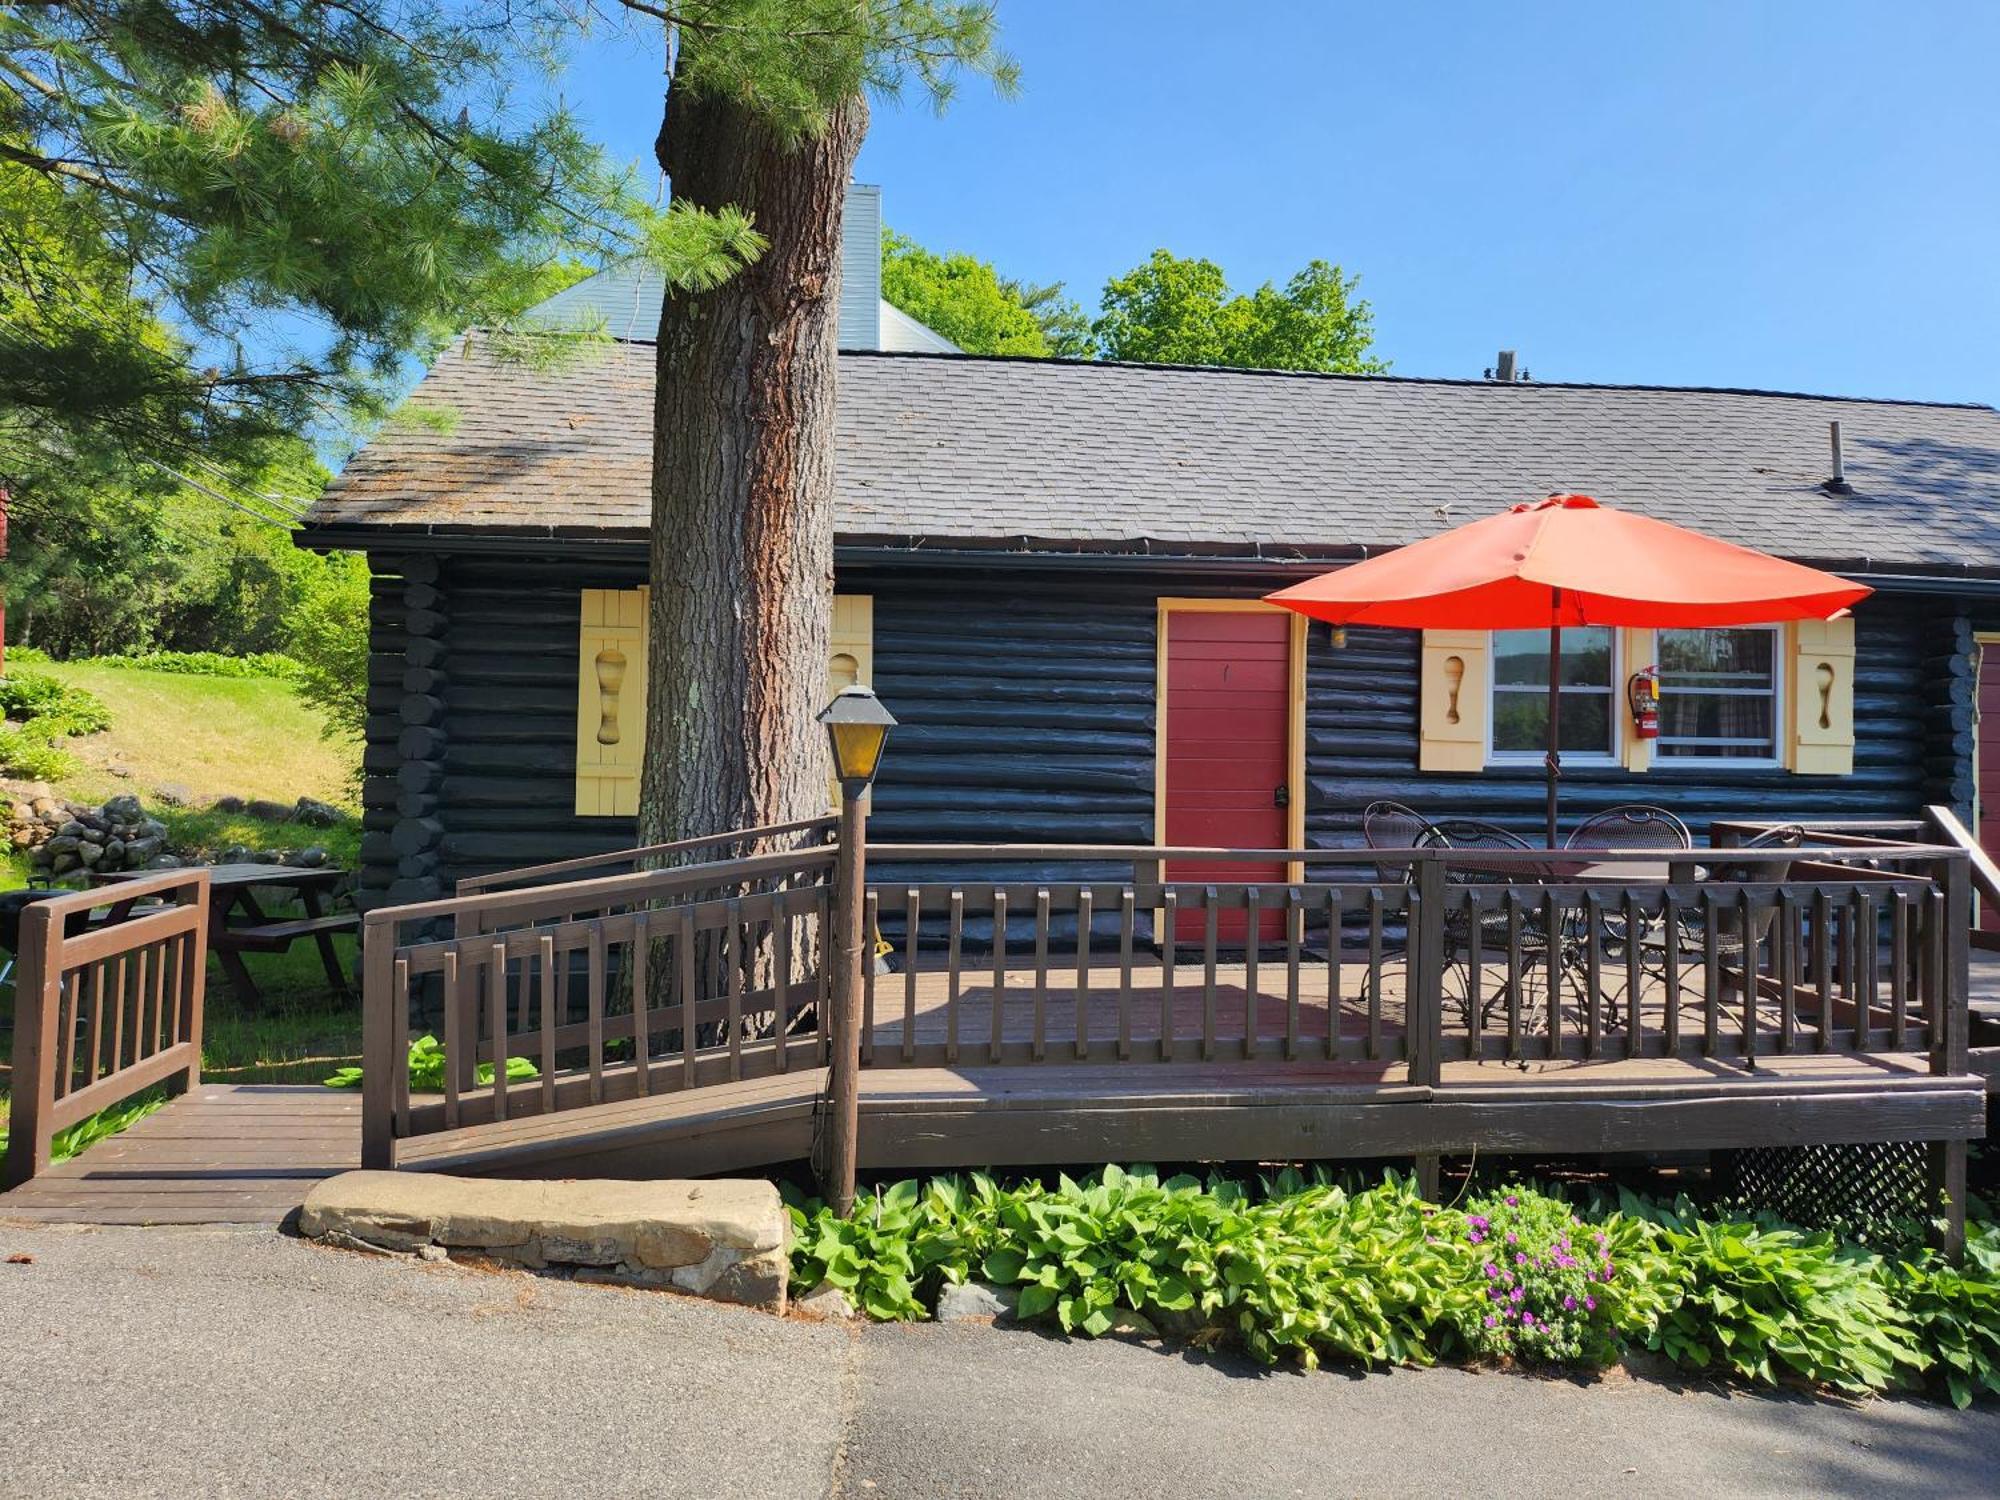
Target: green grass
point(210, 736)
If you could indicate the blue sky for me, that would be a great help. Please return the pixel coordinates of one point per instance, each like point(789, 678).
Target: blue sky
point(1789, 196)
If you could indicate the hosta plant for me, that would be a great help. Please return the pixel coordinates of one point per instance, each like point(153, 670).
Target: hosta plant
point(427, 1069)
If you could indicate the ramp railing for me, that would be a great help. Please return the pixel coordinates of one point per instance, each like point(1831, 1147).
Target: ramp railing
point(107, 1002)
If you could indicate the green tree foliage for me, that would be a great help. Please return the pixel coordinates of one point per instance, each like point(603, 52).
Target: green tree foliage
point(960, 297)
point(233, 219)
point(107, 560)
point(1065, 326)
point(1173, 310)
point(327, 634)
point(1168, 311)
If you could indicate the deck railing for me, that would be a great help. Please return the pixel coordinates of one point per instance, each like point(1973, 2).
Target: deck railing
point(1419, 957)
point(1395, 964)
point(108, 988)
point(613, 987)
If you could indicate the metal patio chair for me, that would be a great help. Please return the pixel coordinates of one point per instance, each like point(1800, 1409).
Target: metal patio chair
point(1495, 932)
point(1631, 825)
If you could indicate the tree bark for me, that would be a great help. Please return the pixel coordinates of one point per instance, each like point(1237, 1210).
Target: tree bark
point(743, 451)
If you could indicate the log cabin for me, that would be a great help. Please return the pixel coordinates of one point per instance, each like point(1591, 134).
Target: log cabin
point(1051, 571)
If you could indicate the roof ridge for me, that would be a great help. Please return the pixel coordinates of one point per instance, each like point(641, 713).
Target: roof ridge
point(1388, 379)
point(1259, 372)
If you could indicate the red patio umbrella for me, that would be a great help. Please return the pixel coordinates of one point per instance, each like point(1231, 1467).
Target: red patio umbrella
point(1563, 561)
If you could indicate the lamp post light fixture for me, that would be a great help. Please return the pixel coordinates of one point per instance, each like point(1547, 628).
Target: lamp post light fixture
point(857, 727)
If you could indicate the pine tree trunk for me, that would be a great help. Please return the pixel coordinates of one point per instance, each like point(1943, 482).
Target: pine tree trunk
point(743, 445)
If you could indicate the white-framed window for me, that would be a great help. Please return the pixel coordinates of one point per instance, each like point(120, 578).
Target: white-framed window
point(1518, 726)
point(1720, 694)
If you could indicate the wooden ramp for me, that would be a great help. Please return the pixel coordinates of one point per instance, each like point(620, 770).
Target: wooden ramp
point(221, 1154)
point(248, 1154)
point(943, 1118)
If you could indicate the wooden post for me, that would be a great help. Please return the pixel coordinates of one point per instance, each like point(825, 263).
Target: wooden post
point(844, 1076)
point(1949, 1024)
point(37, 1001)
point(379, 1062)
point(1424, 997)
point(196, 985)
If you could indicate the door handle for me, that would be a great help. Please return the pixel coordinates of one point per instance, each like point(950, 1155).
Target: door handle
point(1281, 796)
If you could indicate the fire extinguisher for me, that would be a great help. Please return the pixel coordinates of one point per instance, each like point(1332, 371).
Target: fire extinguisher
point(1642, 692)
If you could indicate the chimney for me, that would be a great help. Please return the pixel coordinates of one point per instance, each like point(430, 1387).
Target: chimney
point(1838, 484)
point(861, 268)
point(1504, 370)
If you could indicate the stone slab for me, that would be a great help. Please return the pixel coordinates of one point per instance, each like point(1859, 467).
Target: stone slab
point(726, 1240)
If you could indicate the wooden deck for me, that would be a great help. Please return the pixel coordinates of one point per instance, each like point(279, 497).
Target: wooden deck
point(248, 1154)
point(222, 1154)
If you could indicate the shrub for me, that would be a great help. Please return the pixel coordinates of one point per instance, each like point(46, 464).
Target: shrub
point(61, 708)
point(28, 656)
point(1765, 1301)
point(30, 756)
point(1305, 1268)
point(1308, 1269)
point(1954, 1312)
point(208, 664)
point(1544, 1271)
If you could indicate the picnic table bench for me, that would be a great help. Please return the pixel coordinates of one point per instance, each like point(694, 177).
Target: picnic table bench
point(237, 924)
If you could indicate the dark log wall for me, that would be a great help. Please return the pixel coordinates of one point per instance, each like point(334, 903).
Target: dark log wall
point(1912, 711)
point(1027, 715)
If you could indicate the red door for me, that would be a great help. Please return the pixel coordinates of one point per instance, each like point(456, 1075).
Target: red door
point(1228, 737)
point(1987, 768)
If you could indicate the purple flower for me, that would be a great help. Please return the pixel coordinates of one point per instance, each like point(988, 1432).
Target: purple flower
point(1527, 1320)
point(1477, 1221)
point(1569, 1304)
point(1512, 1238)
point(1516, 1295)
point(1590, 1304)
point(1491, 1321)
point(1512, 1201)
point(1477, 1237)
point(1520, 1259)
point(1491, 1269)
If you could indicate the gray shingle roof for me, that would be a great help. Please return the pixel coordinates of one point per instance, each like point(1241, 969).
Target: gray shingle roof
point(958, 450)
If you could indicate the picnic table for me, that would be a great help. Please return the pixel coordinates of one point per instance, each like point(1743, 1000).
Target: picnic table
point(237, 924)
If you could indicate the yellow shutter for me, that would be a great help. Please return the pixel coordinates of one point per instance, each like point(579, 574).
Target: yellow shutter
point(851, 651)
point(610, 702)
point(850, 656)
point(1822, 697)
point(1457, 672)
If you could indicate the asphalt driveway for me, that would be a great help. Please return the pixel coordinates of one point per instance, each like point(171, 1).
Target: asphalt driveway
point(236, 1362)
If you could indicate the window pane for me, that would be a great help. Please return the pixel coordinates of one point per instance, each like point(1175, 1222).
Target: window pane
point(1730, 724)
point(1521, 657)
point(1717, 658)
point(1521, 720)
point(1718, 693)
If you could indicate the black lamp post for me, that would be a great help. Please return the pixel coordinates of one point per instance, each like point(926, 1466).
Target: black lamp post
point(857, 727)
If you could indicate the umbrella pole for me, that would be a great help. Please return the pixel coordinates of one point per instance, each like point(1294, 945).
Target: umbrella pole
point(1553, 761)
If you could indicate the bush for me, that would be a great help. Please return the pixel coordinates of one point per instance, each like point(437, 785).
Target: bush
point(1954, 1313)
point(1544, 1269)
point(1305, 1268)
point(58, 707)
point(30, 756)
point(1764, 1301)
point(208, 664)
